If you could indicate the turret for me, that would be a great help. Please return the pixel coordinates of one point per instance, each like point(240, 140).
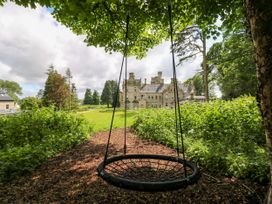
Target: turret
point(131, 75)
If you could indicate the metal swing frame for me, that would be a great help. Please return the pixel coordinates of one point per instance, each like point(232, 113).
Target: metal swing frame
point(148, 172)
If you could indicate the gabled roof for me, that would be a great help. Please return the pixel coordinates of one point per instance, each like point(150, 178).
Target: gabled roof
point(163, 87)
point(151, 88)
point(5, 97)
point(159, 88)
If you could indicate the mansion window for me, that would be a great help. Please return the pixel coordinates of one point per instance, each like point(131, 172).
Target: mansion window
point(7, 106)
point(142, 96)
point(135, 97)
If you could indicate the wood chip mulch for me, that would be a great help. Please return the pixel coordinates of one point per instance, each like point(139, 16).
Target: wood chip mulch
point(71, 177)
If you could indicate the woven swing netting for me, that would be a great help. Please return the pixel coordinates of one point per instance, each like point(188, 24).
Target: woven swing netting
point(148, 172)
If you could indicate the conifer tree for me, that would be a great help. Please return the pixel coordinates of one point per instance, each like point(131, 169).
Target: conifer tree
point(96, 98)
point(109, 93)
point(74, 98)
point(56, 90)
point(87, 97)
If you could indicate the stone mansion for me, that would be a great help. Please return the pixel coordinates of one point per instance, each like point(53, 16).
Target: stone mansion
point(157, 94)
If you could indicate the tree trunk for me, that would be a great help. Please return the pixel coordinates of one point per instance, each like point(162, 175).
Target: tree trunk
point(205, 69)
point(259, 14)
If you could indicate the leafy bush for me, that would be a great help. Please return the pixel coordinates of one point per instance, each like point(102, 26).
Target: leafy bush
point(30, 103)
point(216, 120)
point(29, 138)
point(21, 160)
point(224, 136)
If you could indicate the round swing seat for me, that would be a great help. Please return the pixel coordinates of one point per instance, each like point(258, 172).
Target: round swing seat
point(148, 172)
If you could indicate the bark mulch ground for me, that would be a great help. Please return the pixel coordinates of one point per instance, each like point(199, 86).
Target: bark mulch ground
point(71, 177)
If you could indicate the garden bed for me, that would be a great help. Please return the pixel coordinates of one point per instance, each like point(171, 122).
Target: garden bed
point(71, 177)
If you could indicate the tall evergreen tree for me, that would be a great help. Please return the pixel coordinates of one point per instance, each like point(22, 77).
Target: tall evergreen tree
point(87, 97)
point(96, 98)
point(74, 98)
point(114, 88)
point(56, 90)
point(109, 93)
point(106, 96)
point(68, 76)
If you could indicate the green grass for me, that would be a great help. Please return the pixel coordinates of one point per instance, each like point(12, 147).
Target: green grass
point(100, 118)
point(82, 108)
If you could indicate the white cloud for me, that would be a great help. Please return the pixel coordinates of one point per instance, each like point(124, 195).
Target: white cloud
point(31, 40)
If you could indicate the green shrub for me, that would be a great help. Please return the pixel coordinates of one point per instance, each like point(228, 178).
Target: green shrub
point(28, 138)
point(216, 120)
point(226, 137)
point(21, 160)
point(252, 165)
point(156, 125)
point(30, 103)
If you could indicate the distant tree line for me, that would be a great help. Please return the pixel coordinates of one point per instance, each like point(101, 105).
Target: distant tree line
point(108, 95)
point(91, 99)
point(59, 91)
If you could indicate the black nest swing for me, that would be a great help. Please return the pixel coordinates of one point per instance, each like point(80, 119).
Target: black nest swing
point(148, 172)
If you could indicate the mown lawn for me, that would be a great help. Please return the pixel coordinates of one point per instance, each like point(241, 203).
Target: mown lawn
point(100, 118)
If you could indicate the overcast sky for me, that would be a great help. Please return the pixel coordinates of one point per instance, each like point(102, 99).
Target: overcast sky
point(31, 40)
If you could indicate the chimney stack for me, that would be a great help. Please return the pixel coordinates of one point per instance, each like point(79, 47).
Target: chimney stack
point(131, 75)
point(160, 74)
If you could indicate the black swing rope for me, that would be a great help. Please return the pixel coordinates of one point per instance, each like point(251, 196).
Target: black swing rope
point(176, 94)
point(148, 172)
point(124, 59)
